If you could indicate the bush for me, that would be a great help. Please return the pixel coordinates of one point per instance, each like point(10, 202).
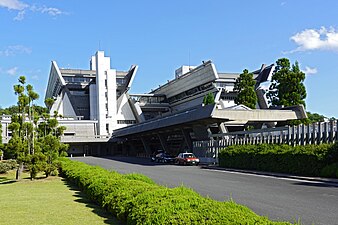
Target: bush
point(7, 165)
point(330, 170)
point(136, 199)
point(306, 160)
point(140, 177)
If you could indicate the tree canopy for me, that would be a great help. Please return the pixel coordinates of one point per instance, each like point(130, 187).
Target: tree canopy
point(34, 143)
point(287, 86)
point(245, 88)
point(14, 109)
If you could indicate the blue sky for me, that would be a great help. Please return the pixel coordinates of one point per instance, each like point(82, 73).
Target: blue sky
point(160, 36)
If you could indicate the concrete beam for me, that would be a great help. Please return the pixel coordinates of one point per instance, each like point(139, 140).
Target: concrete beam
point(259, 115)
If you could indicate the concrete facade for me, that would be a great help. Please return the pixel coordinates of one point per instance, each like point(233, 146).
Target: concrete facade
point(96, 94)
point(102, 117)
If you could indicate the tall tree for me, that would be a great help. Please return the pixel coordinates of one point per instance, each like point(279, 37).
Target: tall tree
point(38, 154)
point(287, 86)
point(245, 87)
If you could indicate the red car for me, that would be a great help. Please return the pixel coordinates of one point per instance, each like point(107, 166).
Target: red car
point(187, 159)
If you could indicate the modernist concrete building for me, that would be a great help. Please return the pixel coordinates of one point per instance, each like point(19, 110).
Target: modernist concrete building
point(97, 94)
point(102, 117)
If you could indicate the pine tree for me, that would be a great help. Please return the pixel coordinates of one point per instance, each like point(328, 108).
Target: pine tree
point(245, 87)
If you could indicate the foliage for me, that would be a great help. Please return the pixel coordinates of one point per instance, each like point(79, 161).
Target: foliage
point(0, 134)
point(315, 117)
point(35, 163)
point(306, 160)
point(245, 87)
point(7, 165)
point(330, 170)
point(140, 177)
point(51, 148)
point(49, 102)
point(209, 99)
point(2, 147)
point(16, 148)
point(134, 201)
point(287, 86)
point(14, 109)
point(35, 145)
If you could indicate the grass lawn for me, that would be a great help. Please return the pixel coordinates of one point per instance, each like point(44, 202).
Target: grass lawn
point(46, 201)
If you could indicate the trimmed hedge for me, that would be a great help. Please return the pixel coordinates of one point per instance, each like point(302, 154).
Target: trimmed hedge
point(136, 199)
point(308, 160)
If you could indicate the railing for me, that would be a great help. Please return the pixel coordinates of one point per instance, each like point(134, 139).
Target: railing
point(316, 133)
point(85, 138)
point(75, 138)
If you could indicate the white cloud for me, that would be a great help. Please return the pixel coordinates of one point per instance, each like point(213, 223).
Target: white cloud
point(20, 15)
point(13, 4)
point(13, 50)
point(309, 70)
point(12, 71)
point(312, 39)
point(23, 8)
point(49, 10)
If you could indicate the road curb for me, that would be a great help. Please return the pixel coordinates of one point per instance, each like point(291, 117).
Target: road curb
point(281, 175)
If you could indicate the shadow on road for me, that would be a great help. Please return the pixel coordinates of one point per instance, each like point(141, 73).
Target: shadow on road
point(136, 160)
point(319, 184)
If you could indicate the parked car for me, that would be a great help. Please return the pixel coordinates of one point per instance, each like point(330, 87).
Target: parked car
point(156, 154)
point(187, 159)
point(165, 158)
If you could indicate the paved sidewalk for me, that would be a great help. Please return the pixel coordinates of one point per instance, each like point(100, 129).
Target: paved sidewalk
point(332, 181)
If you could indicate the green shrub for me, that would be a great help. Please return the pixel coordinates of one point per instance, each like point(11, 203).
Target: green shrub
point(330, 170)
point(136, 199)
point(140, 177)
point(3, 167)
point(7, 165)
point(306, 160)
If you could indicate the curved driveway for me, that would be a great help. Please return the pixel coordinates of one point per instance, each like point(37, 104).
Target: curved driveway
point(277, 198)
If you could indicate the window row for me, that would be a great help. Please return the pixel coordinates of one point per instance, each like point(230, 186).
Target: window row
point(190, 92)
point(126, 121)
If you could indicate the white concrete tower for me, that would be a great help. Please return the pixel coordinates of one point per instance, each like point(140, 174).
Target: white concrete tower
point(105, 89)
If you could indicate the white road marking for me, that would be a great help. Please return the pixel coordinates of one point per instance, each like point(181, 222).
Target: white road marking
point(275, 177)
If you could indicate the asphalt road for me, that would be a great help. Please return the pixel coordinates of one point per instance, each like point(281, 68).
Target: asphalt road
point(279, 199)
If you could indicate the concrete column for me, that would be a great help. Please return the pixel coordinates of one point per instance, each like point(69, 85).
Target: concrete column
point(146, 146)
point(222, 128)
point(187, 139)
point(163, 142)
